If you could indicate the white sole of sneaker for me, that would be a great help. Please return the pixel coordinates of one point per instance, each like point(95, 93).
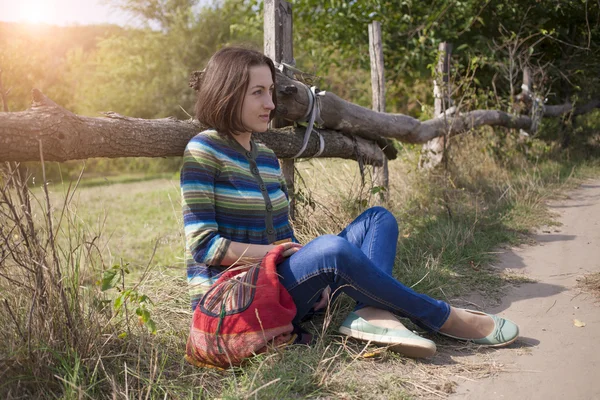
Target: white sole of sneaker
point(414, 348)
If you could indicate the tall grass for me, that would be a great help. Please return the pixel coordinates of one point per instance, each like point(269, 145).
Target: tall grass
point(50, 324)
point(63, 337)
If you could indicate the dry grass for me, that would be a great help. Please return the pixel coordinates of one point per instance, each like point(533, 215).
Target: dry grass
point(451, 220)
point(590, 283)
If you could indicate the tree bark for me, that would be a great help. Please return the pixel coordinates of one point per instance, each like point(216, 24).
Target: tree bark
point(66, 136)
point(434, 151)
point(346, 117)
point(381, 175)
point(555, 111)
point(279, 46)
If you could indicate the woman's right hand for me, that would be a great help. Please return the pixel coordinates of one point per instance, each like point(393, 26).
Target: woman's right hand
point(290, 248)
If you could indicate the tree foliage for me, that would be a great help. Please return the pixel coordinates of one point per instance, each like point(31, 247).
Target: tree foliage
point(163, 14)
point(36, 56)
point(560, 39)
point(144, 73)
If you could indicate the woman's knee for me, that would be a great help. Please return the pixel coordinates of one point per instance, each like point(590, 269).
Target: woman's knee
point(333, 247)
point(384, 216)
point(379, 210)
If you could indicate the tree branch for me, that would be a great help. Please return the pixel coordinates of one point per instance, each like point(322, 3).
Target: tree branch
point(66, 136)
point(350, 131)
point(341, 115)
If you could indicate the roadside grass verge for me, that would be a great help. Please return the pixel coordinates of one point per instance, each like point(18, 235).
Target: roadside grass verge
point(590, 283)
point(452, 221)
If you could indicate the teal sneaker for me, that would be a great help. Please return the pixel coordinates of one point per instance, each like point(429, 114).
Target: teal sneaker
point(402, 341)
point(505, 332)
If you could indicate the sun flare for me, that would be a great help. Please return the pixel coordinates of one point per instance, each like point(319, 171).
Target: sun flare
point(35, 11)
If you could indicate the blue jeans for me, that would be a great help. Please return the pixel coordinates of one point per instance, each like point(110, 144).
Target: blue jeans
point(358, 262)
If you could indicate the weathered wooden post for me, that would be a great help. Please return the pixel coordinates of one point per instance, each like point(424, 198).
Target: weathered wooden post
point(278, 29)
point(525, 99)
point(434, 151)
point(527, 86)
point(380, 174)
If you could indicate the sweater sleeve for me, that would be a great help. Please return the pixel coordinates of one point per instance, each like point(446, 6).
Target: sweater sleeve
point(201, 167)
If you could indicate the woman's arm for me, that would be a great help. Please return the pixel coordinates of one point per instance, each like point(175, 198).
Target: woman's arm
point(243, 253)
point(201, 166)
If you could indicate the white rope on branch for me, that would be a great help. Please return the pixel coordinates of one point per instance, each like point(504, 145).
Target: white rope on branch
point(313, 112)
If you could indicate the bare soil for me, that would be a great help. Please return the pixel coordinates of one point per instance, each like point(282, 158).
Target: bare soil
point(557, 355)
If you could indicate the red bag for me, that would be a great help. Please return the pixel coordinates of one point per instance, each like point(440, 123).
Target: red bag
point(241, 315)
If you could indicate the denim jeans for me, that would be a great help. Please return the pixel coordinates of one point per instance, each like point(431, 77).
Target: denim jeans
point(359, 262)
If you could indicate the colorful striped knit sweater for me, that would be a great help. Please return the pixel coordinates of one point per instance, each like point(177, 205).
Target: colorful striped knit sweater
point(228, 194)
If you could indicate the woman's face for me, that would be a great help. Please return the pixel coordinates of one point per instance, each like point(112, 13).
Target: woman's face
point(258, 101)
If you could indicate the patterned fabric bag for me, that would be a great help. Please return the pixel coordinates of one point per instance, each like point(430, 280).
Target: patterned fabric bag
point(242, 314)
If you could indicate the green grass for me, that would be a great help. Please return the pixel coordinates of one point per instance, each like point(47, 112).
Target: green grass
point(130, 217)
point(124, 178)
point(452, 222)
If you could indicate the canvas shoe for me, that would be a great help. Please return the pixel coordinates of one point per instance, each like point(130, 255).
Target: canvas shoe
point(402, 341)
point(505, 332)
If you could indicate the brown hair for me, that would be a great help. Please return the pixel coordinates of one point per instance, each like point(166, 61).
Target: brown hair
point(222, 87)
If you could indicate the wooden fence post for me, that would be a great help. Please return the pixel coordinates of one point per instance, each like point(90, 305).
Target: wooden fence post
point(380, 174)
point(527, 86)
point(525, 99)
point(434, 151)
point(278, 29)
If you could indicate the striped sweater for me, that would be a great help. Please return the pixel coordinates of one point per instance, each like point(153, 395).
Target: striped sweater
point(228, 194)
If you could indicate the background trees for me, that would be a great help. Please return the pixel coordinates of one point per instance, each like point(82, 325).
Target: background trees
point(558, 39)
point(143, 72)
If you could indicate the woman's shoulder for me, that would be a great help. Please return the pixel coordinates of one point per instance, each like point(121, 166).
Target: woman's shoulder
point(208, 136)
point(208, 140)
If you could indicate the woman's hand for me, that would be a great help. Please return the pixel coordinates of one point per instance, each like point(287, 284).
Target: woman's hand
point(324, 299)
point(290, 248)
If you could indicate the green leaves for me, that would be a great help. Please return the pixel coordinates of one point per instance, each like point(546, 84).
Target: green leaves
point(114, 278)
point(144, 72)
point(507, 32)
point(144, 318)
point(110, 277)
point(379, 190)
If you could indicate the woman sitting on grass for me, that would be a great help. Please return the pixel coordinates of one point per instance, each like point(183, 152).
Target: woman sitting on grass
point(235, 207)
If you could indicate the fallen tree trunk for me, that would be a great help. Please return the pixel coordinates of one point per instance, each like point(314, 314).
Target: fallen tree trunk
point(555, 111)
point(66, 136)
point(343, 116)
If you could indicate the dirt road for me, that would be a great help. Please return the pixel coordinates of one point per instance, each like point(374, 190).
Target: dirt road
point(553, 359)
